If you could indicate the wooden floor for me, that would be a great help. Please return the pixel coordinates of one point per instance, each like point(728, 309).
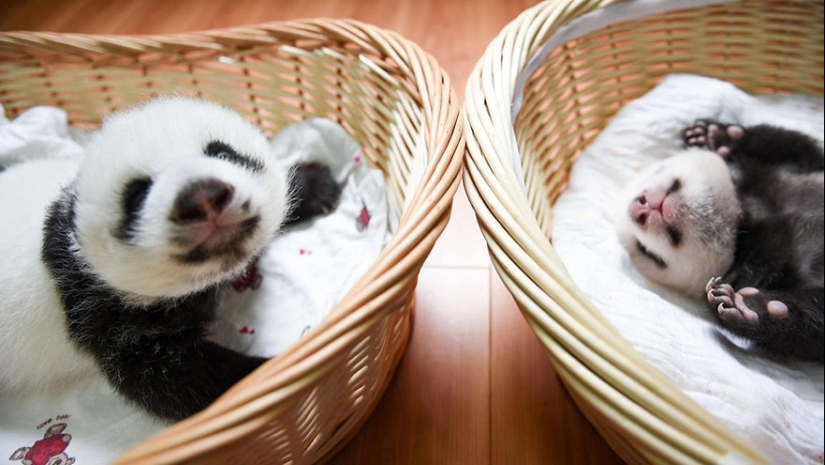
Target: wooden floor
point(474, 387)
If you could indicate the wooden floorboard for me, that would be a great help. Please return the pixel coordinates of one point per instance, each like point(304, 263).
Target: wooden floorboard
point(534, 421)
point(436, 411)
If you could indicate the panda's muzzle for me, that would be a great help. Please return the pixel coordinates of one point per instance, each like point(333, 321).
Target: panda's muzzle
point(209, 227)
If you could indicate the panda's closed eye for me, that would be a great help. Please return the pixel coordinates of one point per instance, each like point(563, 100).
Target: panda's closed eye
point(222, 151)
point(132, 199)
point(657, 260)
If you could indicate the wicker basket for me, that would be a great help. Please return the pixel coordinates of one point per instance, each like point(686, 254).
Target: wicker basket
point(394, 99)
point(580, 80)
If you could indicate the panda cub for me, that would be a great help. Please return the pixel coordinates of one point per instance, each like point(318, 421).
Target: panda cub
point(737, 217)
point(114, 263)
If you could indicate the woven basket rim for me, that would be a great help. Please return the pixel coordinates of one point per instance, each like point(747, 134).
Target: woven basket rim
point(246, 34)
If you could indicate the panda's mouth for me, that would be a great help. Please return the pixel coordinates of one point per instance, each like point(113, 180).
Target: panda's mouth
point(227, 227)
point(660, 211)
point(228, 245)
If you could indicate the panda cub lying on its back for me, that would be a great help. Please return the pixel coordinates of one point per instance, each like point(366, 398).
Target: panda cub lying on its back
point(114, 263)
point(738, 217)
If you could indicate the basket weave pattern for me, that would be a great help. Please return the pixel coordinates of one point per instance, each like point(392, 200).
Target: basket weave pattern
point(763, 47)
point(389, 95)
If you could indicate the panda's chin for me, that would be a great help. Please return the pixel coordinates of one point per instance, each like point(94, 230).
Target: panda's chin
point(177, 269)
point(217, 260)
point(191, 279)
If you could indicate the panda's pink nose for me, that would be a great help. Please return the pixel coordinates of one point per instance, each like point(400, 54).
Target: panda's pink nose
point(201, 201)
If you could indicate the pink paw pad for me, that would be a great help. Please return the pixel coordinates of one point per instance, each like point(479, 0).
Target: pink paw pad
point(777, 309)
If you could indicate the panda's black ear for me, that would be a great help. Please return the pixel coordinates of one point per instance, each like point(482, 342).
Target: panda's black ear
point(132, 199)
point(223, 151)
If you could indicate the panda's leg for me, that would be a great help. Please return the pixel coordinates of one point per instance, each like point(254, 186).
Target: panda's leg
point(175, 380)
point(763, 143)
point(784, 322)
point(313, 191)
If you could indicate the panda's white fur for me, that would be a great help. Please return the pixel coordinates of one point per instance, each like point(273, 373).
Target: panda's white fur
point(163, 140)
point(35, 353)
point(704, 209)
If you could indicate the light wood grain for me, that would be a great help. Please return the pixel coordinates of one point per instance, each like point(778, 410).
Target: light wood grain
point(437, 409)
point(534, 419)
point(475, 386)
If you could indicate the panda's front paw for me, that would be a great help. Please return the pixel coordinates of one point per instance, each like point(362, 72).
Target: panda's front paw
point(729, 305)
point(716, 137)
point(747, 307)
point(313, 190)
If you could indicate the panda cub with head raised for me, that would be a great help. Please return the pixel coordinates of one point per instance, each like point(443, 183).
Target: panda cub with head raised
point(114, 263)
point(737, 218)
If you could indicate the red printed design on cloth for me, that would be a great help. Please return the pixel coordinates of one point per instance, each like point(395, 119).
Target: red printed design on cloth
point(47, 448)
point(362, 222)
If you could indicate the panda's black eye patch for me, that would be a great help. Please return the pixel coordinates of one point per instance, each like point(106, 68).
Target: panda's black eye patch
point(222, 151)
point(675, 187)
point(132, 199)
point(674, 235)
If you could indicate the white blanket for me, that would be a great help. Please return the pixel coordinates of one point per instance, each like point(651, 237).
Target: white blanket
point(301, 276)
point(778, 408)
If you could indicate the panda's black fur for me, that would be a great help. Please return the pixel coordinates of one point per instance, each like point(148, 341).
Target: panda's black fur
point(778, 174)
